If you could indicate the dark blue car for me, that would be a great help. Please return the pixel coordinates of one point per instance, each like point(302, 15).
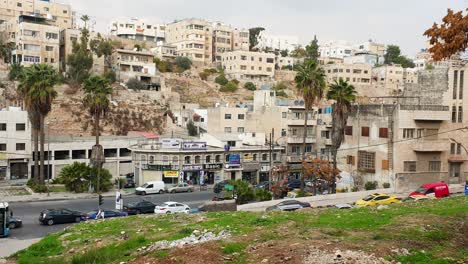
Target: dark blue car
point(107, 214)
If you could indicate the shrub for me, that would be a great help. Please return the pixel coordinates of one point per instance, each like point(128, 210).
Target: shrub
point(36, 187)
point(110, 76)
point(344, 190)
point(77, 177)
point(135, 84)
point(280, 86)
point(250, 86)
point(192, 129)
point(16, 70)
point(355, 189)
point(183, 63)
point(386, 185)
point(204, 75)
point(163, 66)
point(210, 71)
point(120, 181)
point(262, 195)
point(281, 93)
point(221, 80)
point(229, 87)
point(370, 185)
point(243, 192)
point(235, 81)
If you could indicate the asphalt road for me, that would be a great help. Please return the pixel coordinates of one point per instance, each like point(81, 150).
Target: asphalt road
point(29, 211)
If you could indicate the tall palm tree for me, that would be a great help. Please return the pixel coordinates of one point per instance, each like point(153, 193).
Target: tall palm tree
point(97, 90)
point(344, 95)
point(85, 19)
point(37, 88)
point(310, 82)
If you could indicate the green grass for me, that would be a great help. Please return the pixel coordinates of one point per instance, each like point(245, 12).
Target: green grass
point(57, 189)
point(160, 254)
point(38, 252)
point(422, 258)
point(233, 247)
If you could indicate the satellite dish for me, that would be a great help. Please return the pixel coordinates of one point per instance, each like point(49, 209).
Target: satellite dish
point(301, 102)
point(296, 102)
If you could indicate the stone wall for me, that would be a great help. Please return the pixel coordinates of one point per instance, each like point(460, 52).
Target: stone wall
point(430, 89)
point(282, 75)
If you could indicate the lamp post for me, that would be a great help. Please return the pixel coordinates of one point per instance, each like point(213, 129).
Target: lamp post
point(48, 158)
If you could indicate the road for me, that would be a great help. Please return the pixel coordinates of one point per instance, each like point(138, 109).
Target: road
point(32, 230)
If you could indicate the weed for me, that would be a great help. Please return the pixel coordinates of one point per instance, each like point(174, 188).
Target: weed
point(233, 247)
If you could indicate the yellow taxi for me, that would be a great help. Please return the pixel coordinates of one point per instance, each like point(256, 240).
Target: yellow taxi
point(377, 199)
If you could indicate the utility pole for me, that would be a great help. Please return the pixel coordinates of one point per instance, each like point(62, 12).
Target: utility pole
point(272, 136)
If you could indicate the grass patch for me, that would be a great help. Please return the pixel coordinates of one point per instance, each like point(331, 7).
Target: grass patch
point(39, 252)
point(160, 254)
point(233, 247)
point(56, 189)
point(422, 258)
point(334, 232)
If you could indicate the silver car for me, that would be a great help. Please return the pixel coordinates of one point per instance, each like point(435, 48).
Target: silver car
point(181, 187)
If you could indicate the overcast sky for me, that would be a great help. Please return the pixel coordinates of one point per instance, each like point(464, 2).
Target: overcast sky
point(400, 22)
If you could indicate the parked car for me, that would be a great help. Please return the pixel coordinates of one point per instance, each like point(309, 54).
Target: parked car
point(294, 184)
point(60, 216)
point(377, 199)
point(181, 187)
point(218, 187)
point(436, 189)
point(15, 222)
point(151, 187)
point(141, 207)
point(172, 208)
point(288, 205)
point(107, 214)
point(343, 206)
point(416, 198)
point(129, 183)
point(266, 185)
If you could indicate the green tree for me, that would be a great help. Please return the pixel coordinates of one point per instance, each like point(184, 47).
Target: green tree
point(135, 84)
point(230, 87)
point(243, 191)
point(85, 19)
point(102, 47)
point(5, 47)
point(16, 71)
point(78, 177)
point(343, 94)
point(284, 53)
point(96, 100)
point(310, 82)
point(37, 90)
point(183, 63)
point(312, 50)
point(80, 61)
point(192, 129)
point(393, 56)
point(299, 52)
point(253, 37)
point(221, 80)
point(250, 86)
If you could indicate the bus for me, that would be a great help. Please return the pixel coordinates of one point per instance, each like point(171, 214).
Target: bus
point(4, 219)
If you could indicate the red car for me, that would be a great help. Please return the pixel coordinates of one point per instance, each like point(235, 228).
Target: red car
point(436, 189)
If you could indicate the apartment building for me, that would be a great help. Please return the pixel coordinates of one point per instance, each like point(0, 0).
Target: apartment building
point(36, 41)
point(193, 39)
point(175, 160)
point(276, 42)
point(165, 51)
point(363, 58)
point(130, 64)
point(15, 144)
point(329, 60)
point(222, 40)
point(356, 74)
point(372, 48)
point(336, 49)
point(138, 29)
point(240, 39)
point(389, 76)
point(247, 65)
point(59, 15)
point(410, 140)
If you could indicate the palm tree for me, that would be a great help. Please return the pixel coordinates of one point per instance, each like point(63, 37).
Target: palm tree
point(344, 95)
point(310, 82)
point(37, 89)
point(85, 19)
point(97, 91)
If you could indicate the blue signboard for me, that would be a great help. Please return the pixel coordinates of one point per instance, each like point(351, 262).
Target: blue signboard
point(234, 159)
point(466, 189)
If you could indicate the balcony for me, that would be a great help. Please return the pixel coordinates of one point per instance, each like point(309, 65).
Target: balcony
point(300, 122)
point(436, 145)
point(299, 140)
point(427, 112)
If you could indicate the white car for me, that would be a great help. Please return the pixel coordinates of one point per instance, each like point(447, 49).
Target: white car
point(172, 208)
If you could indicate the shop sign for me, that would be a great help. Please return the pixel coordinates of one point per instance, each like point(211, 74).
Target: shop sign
point(212, 166)
point(247, 157)
point(192, 167)
point(170, 143)
point(234, 160)
point(194, 146)
point(171, 174)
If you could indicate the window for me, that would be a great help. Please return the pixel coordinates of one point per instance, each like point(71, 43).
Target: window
point(20, 146)
point(350, 160)
point(385, 165)
point(19, 4)
point(197, 159)
point(454, 114)
point(460, 114)
point(227, 130)
point(308, 149)
point(218, 158)
point(32, 47)
point(49, 48)
point(240, 130)
point(452, 148)
point(2, 147)
point(187, 160)
point(240, 116)
point(208, 159)
point(65, 11)
point(462, 76)
point(264, 157)
point(50, 35)
point(434, 165)
point(366, 161)
point(408, 133)
point(227, 116)
point(151, 160)
point(275, 156)
point(409, 166)
point(269, 60)
point(243, 67)
point(20, 127)
point(3, 126)
point(349, 130)
point(459, 146)
point(455, 82)
point(383, 132)
point(284, 114)
point(365, 131)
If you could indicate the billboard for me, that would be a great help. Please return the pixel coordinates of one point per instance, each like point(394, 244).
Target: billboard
point(171, 174)
point(194, 146)
point(170, 143)
point(234, 160)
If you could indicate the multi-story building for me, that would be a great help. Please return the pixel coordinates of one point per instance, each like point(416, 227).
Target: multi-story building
point(336, 49)
point(174, 160)
point(276, 43)
point(389, 76)
point(15, 144)
point(138, 29)
point(139, 65)
point(193, 39)
point(222, 40)
point(240, 39)
point(247, 65)
point(363, 58)
point(329, 60)
point(165, 51)
point(372, 48)
point(36, 41)
point(356, 74)
point(60, 15)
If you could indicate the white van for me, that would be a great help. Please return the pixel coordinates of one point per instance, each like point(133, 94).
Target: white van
point(151, 187)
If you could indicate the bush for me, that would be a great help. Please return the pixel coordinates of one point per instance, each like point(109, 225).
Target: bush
point(262, 195)
point(235, 81)
point(16, 70)
point(110, 76)
point(221, 80)
point(204, 75)
point(230, 87)
point(36, 187)
point(370, 185)
point(135, 84)
point(250, 86)
point(344, 190)
point(355, 189)
point(192, 129)
point(243, 192)
point(183, 63)
point(210, 71)
point(77, 177)
point(163, 66)
point(386, 185)
point(120, 181)
point(280, 86)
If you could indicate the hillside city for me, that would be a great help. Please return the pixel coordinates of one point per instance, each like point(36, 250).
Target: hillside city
point(231, 126)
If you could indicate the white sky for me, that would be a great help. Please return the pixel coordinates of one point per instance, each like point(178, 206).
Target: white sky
point(400, 22)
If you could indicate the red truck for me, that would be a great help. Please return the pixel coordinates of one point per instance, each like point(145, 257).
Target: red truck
point(436, 189)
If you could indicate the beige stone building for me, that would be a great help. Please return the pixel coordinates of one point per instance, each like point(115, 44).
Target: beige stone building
point(356, 74)
point(247, 65)
point(389, 76)
point(36, 41)
point(193, 39)
point(240, 39)
point(130, 64)
point(60, 15)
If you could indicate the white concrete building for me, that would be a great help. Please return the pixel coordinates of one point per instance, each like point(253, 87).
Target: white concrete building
point(276, 42)
point(336, 49)
point(138, 29)
point(15, 144)
point(247, 65)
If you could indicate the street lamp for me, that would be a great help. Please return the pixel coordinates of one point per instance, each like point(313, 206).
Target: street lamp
point(48, 158)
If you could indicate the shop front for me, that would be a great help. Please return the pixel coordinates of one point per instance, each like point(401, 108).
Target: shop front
point(250, 172)
point(171, 177)
point(294, 171)
point(192, 173)
point(212, 172)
